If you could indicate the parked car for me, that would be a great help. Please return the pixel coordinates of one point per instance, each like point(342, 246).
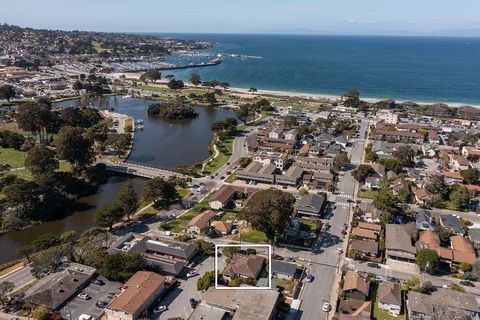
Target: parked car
point(277, 257)
point(101, 304)
point(83, 296)
point(192, 273)
point(289, 259)
point(309, 278)
point(111, 295)
point(193, 303)
point(167, 233)
point(98, 282)
point(327, 307)
point(373, 265)
point(467, 283)
point(160, 309)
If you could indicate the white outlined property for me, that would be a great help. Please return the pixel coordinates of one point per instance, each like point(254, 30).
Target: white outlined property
point(268, 257)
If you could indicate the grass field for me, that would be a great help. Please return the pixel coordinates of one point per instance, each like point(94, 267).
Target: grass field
point(288, 285)
point(308, 225)
point(12, 157)
point(247, 234)
point(231, 178)
point(225, 151)
point(369, 194)
point(229, 216)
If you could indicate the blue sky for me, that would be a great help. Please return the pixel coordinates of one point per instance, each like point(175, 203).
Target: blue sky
point(385, 17)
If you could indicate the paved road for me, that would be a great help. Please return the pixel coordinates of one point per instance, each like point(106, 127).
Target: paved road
point(324, 259)
point(177, 300)
point(386, 271)
point(20, 277)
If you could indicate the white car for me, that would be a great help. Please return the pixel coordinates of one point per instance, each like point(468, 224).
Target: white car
point(327, 307)
point(167, 233)
point(83, 296)
point(192, 273)
point(160, 309)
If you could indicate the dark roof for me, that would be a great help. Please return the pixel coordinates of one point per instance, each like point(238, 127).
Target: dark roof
point(312, 203)
point(423, 216)
point(244, 265)
point(389, 293)
point(283, 267)
point(55, 289)
point(364, 246)
point(451, 222)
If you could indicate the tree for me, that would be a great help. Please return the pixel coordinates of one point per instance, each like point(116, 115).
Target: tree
point(411, 229)
point(46, 261)
point(151, 75)
point(352, 98)
point(41, 160)
point(362, 172)
point(68, 237)
point(252, 90)
point(340, 161)
point(428, 260)
point(392, 165)
point(460, 197)
point(437, 186)
point(195, 79)
point(160, 191)
point(426, 288)
point(128, 200)
point(205, 281)
point(77, 85)
point(122, 266)
point(405, 154)
point(385, 201)
point(210, 98)
point(207, 248)
point(471, 175)
point(456, 287)
point(7, 92)
point(465, 267)
point(244, 161)
point(269, 211)
point(23, 194)
point(119, 142)
point(74, 147)
point(109, 214)
point(175, 84)
point(5, 288)
point(243, 112)
point(443, 233)
point(45, 241)
point(40, 313)
point(36, 118)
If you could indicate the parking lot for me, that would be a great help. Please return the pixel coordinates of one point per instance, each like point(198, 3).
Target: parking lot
point(77, 306)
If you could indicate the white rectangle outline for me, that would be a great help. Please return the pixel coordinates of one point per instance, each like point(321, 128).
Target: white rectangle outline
point(245, 245)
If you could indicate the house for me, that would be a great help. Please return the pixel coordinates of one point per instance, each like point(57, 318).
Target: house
point(333, 150)
point(452, 223)
point(55, 289)
point(268, 157)
point(222, 227)
point(276, 134)
point(166, 256)
point(463, 250)
point(341, 141)
point(226, 194)
point(312, 204)
point(404, 136)
point(474, 235)
point(370, 226)
point(398, 245)
point(458, 162)
point(323, 179)
point(371, 214)
point(364, 234)
point(372, 182)
point(201, 222)
point(433, 137)
point(452, 177)
point(304, 150)
point(399, 185)
point(242, 304)
point(428, 150)
point(422, 306)
point(291, 177)
point(422, 195)
point(389, 298)
point(367, 248)
point(291, 135)
point(246, 266)
point(471, 152)
point(384, 150)
point(356, 286)
point(283, 270)
point(140, 292)
point(387, 116)
point(424, 220)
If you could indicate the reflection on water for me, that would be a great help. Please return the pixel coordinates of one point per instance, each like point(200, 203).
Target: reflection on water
point(162, 143)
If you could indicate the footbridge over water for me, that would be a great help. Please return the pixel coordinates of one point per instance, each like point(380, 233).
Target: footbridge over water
point(140, 170)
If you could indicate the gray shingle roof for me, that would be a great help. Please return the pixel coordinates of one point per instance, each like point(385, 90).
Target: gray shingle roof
point(283, 267)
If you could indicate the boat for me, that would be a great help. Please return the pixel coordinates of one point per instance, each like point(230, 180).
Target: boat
point(139, 121)
point(127, 96)
point(171, 125)
point(140, 127)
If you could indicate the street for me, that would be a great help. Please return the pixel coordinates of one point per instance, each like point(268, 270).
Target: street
point(20, 277)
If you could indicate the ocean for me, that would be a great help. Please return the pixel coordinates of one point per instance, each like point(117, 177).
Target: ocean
point(427, 69)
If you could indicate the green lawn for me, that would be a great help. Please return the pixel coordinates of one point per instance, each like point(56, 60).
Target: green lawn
point(231, 178)
point(369, 194)
point(229, 216)
point(182, 192)
point(288, 285)
point(225, 151)
point(253, 236)
point(12, 157)
point(308, 225)
point(379, 314)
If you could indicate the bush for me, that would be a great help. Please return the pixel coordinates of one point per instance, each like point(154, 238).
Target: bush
point(465, 267)
point(40, 313)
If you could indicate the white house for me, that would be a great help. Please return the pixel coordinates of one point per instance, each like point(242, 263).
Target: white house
point(389, 298)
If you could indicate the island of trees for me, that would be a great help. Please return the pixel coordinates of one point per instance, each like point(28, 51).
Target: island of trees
point(172, 110)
